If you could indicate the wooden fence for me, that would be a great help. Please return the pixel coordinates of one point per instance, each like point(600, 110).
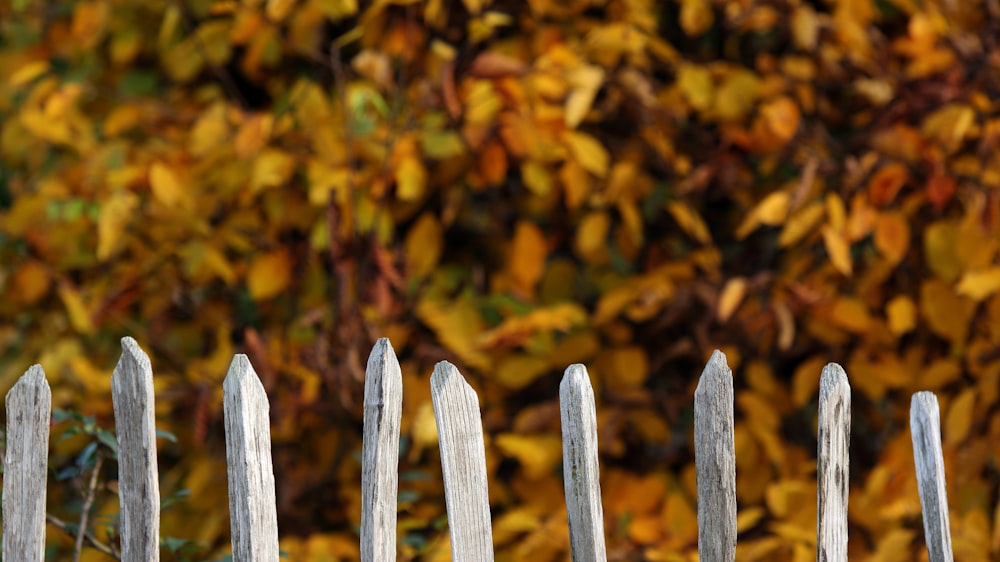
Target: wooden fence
point(456, 410)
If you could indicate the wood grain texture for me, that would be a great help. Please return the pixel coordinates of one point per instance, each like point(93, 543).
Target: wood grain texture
point(463, 464)
point(925, 428)
point(581, 469)
point(29, 413)
point(252, 511)
point(380, 453)
point(715, 461)
point(833, 464)
point(138, 477)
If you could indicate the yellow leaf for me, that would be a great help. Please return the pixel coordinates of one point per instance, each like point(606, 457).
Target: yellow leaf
point(947, 314)
point(271, 168)
point(851, 314)
point(79, 314)
point(576, 184)
point(800, 224)
point(772, 210)
point(838, 250)
point(624, 368)
point(28, 72)
point(736, 94)
point(423, 430)
point(731, 297)
point(958, 422)
point(114, 216)
point(836, 212)
point(696, 17)
point(980, 284)
point(475, 6)
point(591, 237)
point(586, 81)
point(537, 454)
point(166, 186)
point(458, 326)
point(901, 314)
point(527, 257)
point(940, 242)
point(536, 178)
point(588, 152)
point(696, 86)
point(805, 27)
point(411, 178)
point(892, 236)
point(269, 274)
point(278, 10)
point(519, 370)
point(949, 125)
point(423, 245)
point(690, 221)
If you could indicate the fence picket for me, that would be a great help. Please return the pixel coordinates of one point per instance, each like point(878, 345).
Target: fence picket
point(29, 413)
point(715, 461)
point(581, 469)
point(833, 457)
point(138, 478)
point(925, 428)
point(252, 508)
point(463, 464)
point(380, 453)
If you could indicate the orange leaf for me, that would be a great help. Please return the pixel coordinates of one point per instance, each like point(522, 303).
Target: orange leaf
point(901, 314)
point(527, 257)
point(940, 189)
point(958, 422)
point(851, 314)
point(782, 117)
point(892, 236)
point(886, 183)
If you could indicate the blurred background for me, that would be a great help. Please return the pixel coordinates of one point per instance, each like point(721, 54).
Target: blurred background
point(513, 186)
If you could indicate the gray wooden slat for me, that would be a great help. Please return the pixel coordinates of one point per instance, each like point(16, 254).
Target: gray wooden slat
point(138, 477)
point(833, 450)
point(380, 453)
point(715, 461)
point(925, 428)
point(581, 468)
point(252, 508)
point(29, 413)
point(463, 464)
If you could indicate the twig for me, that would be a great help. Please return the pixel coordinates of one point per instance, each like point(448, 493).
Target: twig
point(64, 527)
point(88, 500)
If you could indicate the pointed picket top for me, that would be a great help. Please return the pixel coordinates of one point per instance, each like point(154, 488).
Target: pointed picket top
point(833, 465)
point(380, 453)
point(925, 428)
point(463, 464)
point(715, 461)
point(138, 476)
point(29, 414)
point(252, 508)
point(581, 469)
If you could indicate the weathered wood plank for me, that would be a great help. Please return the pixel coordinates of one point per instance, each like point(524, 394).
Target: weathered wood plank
point(380, 453)
point(925, 428)
point(463, 464)
point(581, 469)
point(138, 477)
point(832, 454)
point(252, 509)
point(715, 461)
point(29, 414)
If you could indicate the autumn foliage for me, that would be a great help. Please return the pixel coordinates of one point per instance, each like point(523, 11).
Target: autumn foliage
point(515, 187)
